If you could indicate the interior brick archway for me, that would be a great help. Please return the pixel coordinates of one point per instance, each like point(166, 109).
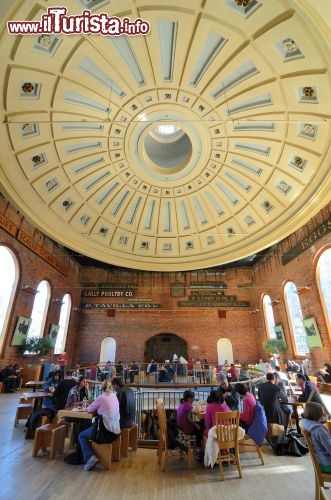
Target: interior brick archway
point(163, 346)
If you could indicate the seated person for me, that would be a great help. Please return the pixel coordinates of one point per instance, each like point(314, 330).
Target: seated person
point(127, 403)
point(16, 370)
point(60, 394)
point(269, 396)
point(78, 393)
point(309, 392)
point(49, 387)
point(248, 406)
point(292, 366)
point(107, 405)
point(215, 403)
point(231, 397)
point(282, 389)
point(282, 375)
point(186, 422)
point(232, 373)
point(151, 367)
point(324, 375)
point(164, 375)
point(9, 380)
point(312, 422)
point(133, 370)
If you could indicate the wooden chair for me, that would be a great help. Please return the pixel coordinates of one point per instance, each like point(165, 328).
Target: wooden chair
point(247, 444)
point(227, 424)
point(23, 410)
point(163, 450)
point(129, 439)
point(50, 436)
point(320, 477)
point(71, 430)
point(323, 495)
point(107, 452)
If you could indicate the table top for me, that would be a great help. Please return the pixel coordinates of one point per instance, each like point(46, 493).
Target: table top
point(74, 413)
point(37, 394)
point(293, 402)
point(34, 383)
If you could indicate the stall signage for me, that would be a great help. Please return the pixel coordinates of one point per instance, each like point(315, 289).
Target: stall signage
point(213, 303)
point(42, 253)
point(7, 225)
point(308, 241)
point(104, 292)
point(209, 284)
point(117, 305)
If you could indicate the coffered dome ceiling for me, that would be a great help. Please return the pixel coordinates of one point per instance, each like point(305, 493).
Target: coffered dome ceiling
point(198, 144)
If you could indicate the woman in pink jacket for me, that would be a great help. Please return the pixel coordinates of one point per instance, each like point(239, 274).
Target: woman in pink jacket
point(106, 405)
point(248, 406)
point(215, 403)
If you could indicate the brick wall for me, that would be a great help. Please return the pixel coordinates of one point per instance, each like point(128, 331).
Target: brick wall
point(33, 269)
point(198, 326)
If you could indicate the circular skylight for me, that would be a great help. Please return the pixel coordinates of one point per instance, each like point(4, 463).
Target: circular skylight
point(168, 146)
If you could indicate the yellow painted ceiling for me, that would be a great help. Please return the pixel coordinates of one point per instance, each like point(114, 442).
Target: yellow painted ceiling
point(198, 144)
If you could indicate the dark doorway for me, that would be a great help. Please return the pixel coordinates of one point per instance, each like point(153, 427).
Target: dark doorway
point(163, 346)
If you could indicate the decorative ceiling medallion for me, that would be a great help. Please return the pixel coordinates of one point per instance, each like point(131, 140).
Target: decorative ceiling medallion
point(47, 44)
point(29, 90)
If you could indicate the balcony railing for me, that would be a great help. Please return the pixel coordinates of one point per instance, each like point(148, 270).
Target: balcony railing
point(148, 388)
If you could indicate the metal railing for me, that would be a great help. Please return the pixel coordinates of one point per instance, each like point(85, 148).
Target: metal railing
point(147, 391)
point(177, 375)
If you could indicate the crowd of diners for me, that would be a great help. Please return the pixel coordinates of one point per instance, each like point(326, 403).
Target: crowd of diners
point(117, 402)
point(272, 397)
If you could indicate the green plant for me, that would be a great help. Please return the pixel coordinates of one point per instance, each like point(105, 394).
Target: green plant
point(274, 346)
point(36, 345)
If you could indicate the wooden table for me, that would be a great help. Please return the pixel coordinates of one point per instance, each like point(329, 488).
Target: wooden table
point(295, 404)
point(69, 412)
point(37, 396)
point(34, 384)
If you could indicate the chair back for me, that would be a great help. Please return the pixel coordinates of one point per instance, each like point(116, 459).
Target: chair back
point(323, 495)
point(162, 419)
point(320, 476)
point(227, 424)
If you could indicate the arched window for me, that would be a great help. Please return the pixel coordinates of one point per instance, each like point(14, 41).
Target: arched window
point(39, 310)
point(63, 325)
point(324, 283)
point(8, 284)
point(295, 317)
point(269, 317)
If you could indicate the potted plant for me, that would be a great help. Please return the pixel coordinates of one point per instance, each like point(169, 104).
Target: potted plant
point(36, 345)
point(274, 346)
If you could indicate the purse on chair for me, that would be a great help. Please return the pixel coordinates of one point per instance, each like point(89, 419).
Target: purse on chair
point(100, 434)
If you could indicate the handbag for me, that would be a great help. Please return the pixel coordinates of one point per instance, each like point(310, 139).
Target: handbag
point(100, 434)
point(279, 444)
point(289, 444)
